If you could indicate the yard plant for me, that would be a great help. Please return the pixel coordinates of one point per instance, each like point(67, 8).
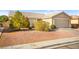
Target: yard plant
point(41, 25)
point(18, 20)
point(4, 21)
point(4, 18)
point(52, 27)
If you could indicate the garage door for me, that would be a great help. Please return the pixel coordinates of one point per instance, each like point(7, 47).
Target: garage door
point(61, 23)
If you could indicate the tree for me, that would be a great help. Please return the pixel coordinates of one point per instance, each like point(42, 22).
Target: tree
point(3, 21)
point(41, 25)
point(25, 23)
point(4, 18)
point(14, 23)
point(18, 20)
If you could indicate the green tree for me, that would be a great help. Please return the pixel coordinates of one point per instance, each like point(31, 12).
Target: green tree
point(14, 23)
point(25, 23)
point(4, 18)
point(18, 20)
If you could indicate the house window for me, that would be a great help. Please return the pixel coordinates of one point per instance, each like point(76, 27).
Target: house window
point(74, 24)
point(74, 21)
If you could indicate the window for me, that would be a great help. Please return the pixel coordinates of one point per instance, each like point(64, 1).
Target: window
point(74, 21)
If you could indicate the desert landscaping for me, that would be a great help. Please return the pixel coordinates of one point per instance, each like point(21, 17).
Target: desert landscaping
point(19, 30)
point(25, 37)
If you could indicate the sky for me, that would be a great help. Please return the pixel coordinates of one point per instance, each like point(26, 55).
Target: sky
point(71, 12)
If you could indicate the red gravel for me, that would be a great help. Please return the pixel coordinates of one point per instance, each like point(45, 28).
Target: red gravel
point(23, 37)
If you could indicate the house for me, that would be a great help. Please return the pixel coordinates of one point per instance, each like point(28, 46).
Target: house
point(75, 21)
point(60, 20)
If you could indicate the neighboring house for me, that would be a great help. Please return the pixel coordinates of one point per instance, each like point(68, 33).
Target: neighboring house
point(60, 20)
point(75, 21)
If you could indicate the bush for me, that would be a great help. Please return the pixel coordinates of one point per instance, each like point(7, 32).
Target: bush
point(52, 27)
point(46, 26)
point(41, 25)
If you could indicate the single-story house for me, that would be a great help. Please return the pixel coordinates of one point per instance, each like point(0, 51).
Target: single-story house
point(60, 20)
point(75, 21)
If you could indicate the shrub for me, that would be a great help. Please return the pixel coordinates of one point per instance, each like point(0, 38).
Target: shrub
point(52, 27)
point(46, 26)
point(41, 25)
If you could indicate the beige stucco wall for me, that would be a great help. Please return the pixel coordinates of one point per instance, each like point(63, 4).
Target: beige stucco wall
point(32, 20)
point(49, 20)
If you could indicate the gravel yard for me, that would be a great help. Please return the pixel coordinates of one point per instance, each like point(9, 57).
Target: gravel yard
point(24, 37)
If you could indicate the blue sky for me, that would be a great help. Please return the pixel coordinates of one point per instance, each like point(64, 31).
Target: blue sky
point(71, 12)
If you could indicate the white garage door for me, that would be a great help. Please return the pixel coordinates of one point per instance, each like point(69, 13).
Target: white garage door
point(61, 23)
